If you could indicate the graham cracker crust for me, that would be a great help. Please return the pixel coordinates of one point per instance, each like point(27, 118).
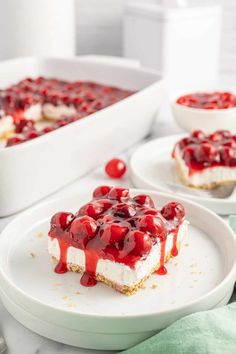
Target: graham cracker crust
point(124, 289)
point(202, 186)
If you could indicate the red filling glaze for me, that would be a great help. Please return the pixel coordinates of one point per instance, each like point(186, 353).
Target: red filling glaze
point(208, 100)
point(117, 227)
point(85, 97)
point(201, 151)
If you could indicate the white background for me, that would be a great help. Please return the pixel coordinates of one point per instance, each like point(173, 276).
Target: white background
point(99, 29)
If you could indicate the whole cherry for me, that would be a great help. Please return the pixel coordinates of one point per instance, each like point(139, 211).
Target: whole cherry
point(115, 168)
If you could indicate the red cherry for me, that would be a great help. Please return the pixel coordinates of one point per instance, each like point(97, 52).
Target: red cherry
point(215, 137)
point(48, 130)
point(82, 227)
point(14, 141)
point(198, 134)
point(227, 96)
point(124, 210)
point(32, 134)
point(114, 233)
point(184, 142)
point(188, 153)
point(173, 211)
point(181, 100)
point(230, 143)
point(92, 209)
point(152, 224)
point(205, 152)
point(62, 220)
point(115, 168)
point(227, 154)
point(118, 193)
point(105, 203)
point(224, 133)
point(101, 191)
point(138, 243)
point(144, 200)
point(23, 124)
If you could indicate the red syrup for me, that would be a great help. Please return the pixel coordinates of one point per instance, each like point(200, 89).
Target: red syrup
point(162, 269)
point(174, 249)
point(89, 277)
point(105, 229)
point(61, 267)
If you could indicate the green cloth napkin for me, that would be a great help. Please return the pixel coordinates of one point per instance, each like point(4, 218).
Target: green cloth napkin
point(207, 332)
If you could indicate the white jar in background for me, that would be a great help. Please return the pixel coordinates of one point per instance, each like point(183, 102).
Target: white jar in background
point(37, 28)
point(183, 43)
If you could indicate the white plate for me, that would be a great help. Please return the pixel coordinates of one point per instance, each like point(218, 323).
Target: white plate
point(152, 167)
point(198, 279)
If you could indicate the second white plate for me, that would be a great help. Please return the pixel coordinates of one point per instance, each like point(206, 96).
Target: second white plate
point(152, 167)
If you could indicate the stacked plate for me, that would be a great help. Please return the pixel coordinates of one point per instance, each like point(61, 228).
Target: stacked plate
point(57, 306)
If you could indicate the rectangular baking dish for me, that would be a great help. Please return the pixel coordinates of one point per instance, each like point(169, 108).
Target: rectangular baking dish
point(35, 169)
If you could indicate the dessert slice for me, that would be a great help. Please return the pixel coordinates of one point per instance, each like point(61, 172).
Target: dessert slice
point(117, 239)
point(206, 161)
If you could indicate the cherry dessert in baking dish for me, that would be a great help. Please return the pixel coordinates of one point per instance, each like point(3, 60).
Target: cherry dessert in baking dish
point(56, 103)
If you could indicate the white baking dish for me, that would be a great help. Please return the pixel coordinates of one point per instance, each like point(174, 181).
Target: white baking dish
point(32, 170)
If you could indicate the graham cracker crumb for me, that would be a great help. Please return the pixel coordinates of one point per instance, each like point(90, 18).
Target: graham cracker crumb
point(66, 298)
point(153, 286)
point(186, 244)
point(40, 235)
point(77, 293)
point(32, 254)
point(71, 304)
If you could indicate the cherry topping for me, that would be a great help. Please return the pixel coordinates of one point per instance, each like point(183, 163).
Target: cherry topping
point(101, 191)
point(124, 210)
point(92, 209)
point(188, 153)
point(144, 200)
point(23, 124)
point(172, 211)
point(205, 152)
point(83, 227)
point(62, 220)
point(227, 154)
point(118, 193)
point(137, 242)
point(153, 224)
point(198, 134)
point(115, 168)
point(32, 134)
point(114, 233)
point(14, 141)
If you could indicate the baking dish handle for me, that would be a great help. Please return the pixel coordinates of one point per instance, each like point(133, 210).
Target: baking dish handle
point(111, 60)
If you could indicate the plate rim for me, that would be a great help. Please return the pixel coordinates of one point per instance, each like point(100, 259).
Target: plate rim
point(156, 187)
point(231, 276)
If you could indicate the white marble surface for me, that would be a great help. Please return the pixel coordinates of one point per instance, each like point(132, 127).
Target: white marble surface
point(22, 340)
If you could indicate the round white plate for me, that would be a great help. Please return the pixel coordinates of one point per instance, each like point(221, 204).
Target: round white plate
point(198, 279)
point(152, 167)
